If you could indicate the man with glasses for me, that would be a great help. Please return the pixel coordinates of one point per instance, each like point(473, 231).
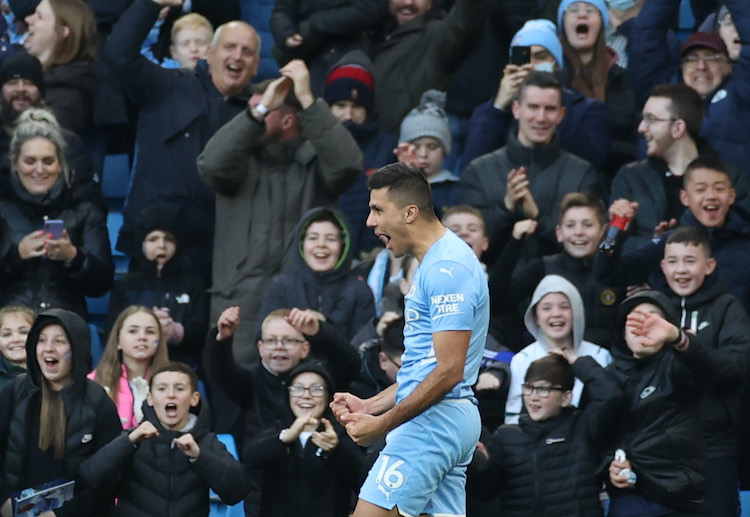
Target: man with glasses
point(670, 124)
point(704, 65)
point(288, 337)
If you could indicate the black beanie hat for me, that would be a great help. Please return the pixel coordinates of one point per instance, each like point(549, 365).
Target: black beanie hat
point(24, 66)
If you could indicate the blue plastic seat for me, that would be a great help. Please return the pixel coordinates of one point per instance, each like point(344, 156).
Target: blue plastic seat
point(219, 509)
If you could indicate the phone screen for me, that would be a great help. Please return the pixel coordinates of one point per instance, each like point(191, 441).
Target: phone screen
point(54, 227)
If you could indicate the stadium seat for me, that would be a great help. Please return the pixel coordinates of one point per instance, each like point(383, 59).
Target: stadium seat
point(219, 509)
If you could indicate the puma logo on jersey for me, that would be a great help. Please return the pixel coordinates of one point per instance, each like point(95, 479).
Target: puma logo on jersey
point(448, 272)
point(386, 492)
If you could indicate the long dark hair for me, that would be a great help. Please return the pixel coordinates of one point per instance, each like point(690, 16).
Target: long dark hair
point(591, 79)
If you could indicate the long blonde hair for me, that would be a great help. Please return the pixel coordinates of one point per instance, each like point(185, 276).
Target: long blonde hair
point(109, 369)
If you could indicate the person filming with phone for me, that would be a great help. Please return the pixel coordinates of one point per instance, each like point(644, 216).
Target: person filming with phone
point(584, 131)
point(55, 248)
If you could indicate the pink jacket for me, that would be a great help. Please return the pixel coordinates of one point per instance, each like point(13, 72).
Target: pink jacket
point(125, 400)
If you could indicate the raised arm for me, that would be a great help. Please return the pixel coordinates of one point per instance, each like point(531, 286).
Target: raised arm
point(649, 62)
point(141, 79)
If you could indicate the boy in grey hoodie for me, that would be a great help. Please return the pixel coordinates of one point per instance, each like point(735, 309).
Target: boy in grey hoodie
point(556, 319)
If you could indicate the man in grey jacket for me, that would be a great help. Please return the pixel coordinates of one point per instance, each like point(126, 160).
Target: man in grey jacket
point(528, 177)
point(286, 153)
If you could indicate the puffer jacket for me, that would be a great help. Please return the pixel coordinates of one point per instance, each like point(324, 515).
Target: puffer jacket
point(659, 423)
point(92, 422)
point(549, 468)
point(157, 479)
point(345, 301)
point(41, 283)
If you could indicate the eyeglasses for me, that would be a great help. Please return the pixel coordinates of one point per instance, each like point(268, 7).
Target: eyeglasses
point(577, 9)
point(542, 391)
point(316, 390)
point(694, 59)
point(650, 119)
point(286, 342)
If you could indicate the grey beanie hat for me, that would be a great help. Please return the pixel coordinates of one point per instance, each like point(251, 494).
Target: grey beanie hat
point(428, 119)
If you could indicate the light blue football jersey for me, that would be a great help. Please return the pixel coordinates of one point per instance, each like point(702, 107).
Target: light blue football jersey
point(449, 292)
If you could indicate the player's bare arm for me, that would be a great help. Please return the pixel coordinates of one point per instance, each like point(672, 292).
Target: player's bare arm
point(450, 352)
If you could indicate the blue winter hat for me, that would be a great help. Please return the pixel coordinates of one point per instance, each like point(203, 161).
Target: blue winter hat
point(542, 33)
point(599, 4)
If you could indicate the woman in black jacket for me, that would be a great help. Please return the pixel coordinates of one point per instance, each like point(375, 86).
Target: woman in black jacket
point(44, 268)
point(53, 418)
point(62, 35)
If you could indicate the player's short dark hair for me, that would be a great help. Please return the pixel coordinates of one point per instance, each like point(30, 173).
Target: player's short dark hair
point(407, 185)
point(553, 369)
point(706, 162)
point(543, 80)
point(684, 104)
point(178, 367)
point(585, 200)
point(691, 235)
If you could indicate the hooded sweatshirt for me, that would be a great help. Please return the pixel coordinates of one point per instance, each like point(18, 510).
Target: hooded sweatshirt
point(345, 301)
point(91, 422)
point(539, 348)
point(719, 321)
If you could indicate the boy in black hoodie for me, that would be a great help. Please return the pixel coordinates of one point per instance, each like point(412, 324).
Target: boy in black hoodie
point(662, 372)
point(718, 319)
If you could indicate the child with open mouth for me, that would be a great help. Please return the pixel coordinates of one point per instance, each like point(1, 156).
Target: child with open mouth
point(167, 464)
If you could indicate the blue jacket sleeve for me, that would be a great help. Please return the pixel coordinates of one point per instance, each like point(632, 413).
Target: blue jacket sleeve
point(649, 62)
point(488, 131)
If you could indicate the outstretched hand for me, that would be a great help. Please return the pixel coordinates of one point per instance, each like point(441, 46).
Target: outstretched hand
point(651, 328)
